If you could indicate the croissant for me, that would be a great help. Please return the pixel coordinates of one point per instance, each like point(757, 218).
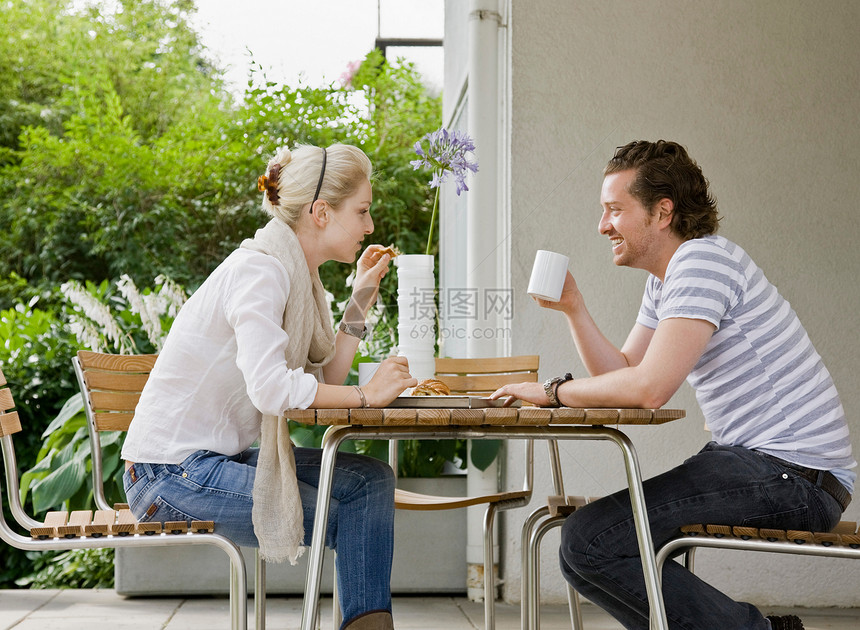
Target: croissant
point(431, 387)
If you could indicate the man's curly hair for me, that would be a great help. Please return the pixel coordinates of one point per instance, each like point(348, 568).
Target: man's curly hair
point(664, 170)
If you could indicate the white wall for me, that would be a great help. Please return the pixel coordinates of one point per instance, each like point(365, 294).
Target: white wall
point(764, 96)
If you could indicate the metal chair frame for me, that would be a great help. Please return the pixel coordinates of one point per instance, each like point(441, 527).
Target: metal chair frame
point(479, 377)
point(539, 522)
point(535, 527)
point(118, 407)
point(9, 425)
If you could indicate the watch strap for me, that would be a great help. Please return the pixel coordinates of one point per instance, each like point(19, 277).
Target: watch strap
point(549, 390)
point(550, 387)
point(353, 330)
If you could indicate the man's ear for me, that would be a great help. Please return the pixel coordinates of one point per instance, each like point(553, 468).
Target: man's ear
point(665, 212)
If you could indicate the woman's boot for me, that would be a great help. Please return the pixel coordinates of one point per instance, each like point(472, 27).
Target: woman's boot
point(374, 620)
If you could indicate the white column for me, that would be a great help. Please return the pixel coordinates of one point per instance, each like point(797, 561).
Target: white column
point(486, 248)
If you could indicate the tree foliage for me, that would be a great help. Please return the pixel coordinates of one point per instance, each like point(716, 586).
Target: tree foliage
point(121, 152)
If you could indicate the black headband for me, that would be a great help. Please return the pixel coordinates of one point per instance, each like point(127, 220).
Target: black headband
point(319, 183)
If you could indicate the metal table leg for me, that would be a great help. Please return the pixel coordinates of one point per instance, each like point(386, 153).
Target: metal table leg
point(653, 588)
point(331, 441)
point(336, 434)
point(643, 529)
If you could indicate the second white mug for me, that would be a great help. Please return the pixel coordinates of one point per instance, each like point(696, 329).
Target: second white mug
point(366, 372)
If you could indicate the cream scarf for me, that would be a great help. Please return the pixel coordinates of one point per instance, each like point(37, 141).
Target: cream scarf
point(277, 510)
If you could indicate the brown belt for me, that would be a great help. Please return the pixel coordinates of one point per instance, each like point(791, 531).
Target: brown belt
point(824, 479)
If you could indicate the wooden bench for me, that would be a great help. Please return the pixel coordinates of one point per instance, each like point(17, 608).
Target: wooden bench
point(105, 528)
point(844, 534)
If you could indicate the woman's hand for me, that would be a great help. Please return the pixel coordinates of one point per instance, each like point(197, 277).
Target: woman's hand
point(530, 392)
point(371, 268)
point(390, 380)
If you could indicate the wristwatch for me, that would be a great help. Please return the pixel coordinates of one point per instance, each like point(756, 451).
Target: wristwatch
point(550, 387)
point(353, 330)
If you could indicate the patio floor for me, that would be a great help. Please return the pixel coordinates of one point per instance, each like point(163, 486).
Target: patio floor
point(71, 609)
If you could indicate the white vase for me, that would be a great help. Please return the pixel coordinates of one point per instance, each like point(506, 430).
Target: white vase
point(416, 310)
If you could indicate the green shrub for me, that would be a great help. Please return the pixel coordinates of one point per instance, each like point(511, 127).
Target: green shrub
point(122, 153)
point(77, 568)
point(35, 356)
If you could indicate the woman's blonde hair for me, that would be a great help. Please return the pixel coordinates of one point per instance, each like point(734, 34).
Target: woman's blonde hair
point(292, 177)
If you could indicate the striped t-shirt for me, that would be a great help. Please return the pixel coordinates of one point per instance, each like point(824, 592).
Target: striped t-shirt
point(759, 382)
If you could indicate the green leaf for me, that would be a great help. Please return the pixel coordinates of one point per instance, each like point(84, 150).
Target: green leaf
point(347, 446)
point(71, 408)
point(110, 462)
point(71, 447)
point(483, 452)
point(58, 486)
point(109, 438)
point(305, 436)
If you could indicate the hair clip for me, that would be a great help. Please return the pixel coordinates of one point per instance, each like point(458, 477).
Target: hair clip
point(270, 183)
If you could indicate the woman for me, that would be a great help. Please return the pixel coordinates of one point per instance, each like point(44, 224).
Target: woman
point(254, 341)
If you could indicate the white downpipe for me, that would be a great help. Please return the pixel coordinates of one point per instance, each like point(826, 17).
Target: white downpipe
point(484, 253)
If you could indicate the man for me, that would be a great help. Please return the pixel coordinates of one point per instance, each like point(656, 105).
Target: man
point(781, 453)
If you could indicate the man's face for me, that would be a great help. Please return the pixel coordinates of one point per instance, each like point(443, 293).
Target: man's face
point(628, 224)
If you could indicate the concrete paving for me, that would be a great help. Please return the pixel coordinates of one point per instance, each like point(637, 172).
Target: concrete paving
point(86, 609)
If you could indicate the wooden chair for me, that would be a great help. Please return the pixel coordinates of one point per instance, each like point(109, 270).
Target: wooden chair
point(479, 377)
point(112, 528)
point(843, 541)
point(111, 385)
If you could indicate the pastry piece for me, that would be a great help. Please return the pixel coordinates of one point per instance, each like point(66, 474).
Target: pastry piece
point(431, 387)
point(391, 250)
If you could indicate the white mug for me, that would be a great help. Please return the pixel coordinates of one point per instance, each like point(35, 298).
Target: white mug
point(548, 274)
point(366, 372)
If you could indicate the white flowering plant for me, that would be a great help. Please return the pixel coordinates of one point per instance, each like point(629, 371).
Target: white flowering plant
point(124, 320)
point(105, 322)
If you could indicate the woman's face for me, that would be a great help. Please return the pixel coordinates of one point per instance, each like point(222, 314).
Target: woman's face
point(350, 223)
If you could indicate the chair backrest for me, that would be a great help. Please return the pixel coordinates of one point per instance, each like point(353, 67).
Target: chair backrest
point(484, 376)
point(9, 421)
point(111, 385)
point(480, 377)
point(10, 424)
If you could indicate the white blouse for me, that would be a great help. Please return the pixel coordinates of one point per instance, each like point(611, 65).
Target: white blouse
point(221, 368)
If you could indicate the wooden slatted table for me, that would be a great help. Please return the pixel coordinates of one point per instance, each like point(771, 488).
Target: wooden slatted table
point(487, 423)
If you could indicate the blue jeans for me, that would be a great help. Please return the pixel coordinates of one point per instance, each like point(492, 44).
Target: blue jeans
point(212, 487)
point(720, 485)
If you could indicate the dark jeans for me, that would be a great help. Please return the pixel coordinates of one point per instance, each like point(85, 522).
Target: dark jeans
point(720, 485)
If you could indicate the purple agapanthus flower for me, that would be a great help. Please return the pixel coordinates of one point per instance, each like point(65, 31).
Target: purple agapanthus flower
point(446, 155)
